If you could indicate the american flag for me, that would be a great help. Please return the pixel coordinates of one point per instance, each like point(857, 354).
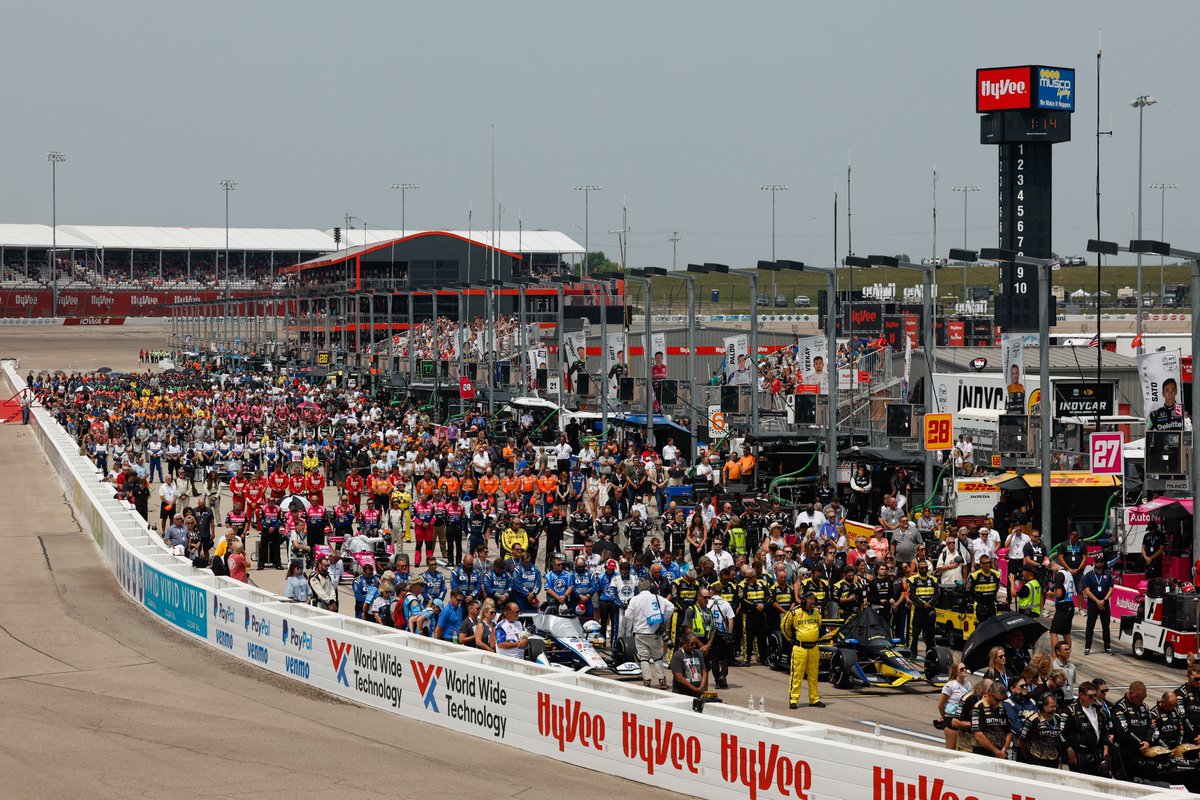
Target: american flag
point(1095, 342)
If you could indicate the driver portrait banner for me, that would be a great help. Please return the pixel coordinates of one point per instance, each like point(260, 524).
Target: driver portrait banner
point(1012, 349)
point(737, 350)
point(812, 357)
point(1160, 374)
point(618, 364)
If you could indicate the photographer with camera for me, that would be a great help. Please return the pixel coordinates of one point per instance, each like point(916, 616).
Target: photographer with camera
point(689, 675)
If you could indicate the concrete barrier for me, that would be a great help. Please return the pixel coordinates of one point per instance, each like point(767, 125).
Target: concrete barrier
point(641, 734)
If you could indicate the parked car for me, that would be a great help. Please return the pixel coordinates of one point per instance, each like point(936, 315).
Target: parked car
point(781, 300)
point(763, 300)
point(803, 301)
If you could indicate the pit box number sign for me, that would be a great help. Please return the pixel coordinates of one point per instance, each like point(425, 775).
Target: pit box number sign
point(939, 431)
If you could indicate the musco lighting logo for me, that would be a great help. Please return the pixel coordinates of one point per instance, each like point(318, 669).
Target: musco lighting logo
point(384, 665)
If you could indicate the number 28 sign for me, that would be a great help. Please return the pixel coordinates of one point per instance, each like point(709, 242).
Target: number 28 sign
point(1108, 455)
point(939, 431)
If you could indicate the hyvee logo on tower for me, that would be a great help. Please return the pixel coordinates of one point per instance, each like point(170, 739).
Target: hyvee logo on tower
point(469, 698)
point(375, 671)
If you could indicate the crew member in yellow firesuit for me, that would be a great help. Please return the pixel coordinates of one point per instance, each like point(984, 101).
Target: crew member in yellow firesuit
point(802, 627)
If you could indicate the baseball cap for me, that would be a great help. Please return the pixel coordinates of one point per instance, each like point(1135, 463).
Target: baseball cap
point(610, 564)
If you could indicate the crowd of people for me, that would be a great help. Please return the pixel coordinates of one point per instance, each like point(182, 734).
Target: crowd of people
point(446, 529)
point(453, 493)
point(1033, 710)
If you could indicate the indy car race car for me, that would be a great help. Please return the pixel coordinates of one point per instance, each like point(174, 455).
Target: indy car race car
point(863, 652)
point(558, 638)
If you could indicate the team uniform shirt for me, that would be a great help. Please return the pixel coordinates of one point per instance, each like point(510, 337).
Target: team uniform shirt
point(510, 632)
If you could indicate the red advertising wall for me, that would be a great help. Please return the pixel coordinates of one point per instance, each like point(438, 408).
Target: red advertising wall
point(86, 303)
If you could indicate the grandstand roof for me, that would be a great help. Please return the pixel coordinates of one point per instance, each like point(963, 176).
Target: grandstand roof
point(525, 241)
point(122, 237)
point(38, 236)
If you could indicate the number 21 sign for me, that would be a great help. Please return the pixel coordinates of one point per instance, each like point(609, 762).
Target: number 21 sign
point(1108, 457)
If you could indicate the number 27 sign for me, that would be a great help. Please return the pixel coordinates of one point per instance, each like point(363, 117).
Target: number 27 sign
point(1108, 457)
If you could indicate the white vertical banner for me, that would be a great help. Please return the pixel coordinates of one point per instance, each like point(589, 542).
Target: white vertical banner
point(737, 351)
point(908, 345)
point(812, 357)
point(618, 364)
point(658, 344)
point(537, 358)
point(1160, 375)
point(1012, 350)
point(573, 345)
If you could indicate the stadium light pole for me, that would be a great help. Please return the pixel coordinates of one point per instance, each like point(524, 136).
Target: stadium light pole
point(645, 276)
point(1140, 103)
point(773, 188)
point(227, 186)
point(966, 192)
point(752, 274)
point(693, 378)
point(1043, 266)
point(55, 158)
point(831, 370)
point(587, 189)
point(927, 271)
point(602, 384)
point(403, 187)
point(1162, 236)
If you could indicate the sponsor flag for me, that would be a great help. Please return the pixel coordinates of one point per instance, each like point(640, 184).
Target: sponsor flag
point(1012, 349)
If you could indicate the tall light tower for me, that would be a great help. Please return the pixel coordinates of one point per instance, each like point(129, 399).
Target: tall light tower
point(228, 186)
point(1140, 103)
point(1162, 236)
point(966, 192)
point(55, 158)
point(403, 187)
point(587, 190)
point(773, 188)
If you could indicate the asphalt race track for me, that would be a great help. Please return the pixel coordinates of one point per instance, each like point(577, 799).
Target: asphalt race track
point(125, 704)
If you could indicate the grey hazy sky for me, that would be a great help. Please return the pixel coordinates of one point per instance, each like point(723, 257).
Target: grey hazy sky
point(683, 108)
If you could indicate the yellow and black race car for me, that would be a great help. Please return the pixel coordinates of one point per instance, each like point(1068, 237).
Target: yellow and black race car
point(863, 652)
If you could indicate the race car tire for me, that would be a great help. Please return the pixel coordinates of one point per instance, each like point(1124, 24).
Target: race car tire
point(776, 650)
point(624, 650)
point(535, 649)
point(842, 666)
point(938, 663)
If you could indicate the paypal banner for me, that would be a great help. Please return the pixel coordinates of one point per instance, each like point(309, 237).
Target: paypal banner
point(1055, 88)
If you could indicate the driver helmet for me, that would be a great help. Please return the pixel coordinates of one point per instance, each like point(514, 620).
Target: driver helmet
point(591, 627)
point(581, 609)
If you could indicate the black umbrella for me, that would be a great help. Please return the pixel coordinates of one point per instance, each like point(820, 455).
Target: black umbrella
point(606, 549)
point(104, 370)
point(994, 633)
